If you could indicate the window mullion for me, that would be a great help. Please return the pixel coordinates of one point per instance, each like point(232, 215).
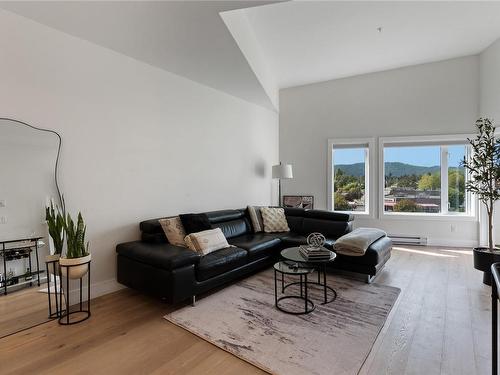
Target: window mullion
point(444, 180)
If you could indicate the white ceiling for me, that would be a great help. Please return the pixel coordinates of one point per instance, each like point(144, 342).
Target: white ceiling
point(284, 44)
point(312, 41)
point(188, 38)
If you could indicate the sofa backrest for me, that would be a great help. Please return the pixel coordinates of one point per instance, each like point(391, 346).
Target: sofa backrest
point(233, 223)
point(330, 224)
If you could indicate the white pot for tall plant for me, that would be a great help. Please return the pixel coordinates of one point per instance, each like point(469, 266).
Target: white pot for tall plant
point(53, 258)
point(78, 267)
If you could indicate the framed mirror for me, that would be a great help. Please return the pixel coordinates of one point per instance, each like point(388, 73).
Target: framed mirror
point(29, 158)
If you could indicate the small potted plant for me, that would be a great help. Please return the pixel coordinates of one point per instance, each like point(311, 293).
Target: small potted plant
point(77, 252)
point(483, 168)
point(55, 223)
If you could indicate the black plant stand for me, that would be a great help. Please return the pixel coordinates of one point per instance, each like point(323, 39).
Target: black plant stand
point(64, 318)
point(58, 308)
point(483, 259)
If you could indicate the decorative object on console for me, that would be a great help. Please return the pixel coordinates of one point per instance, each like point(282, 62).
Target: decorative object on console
point(174, 230)
point(282, 172)
point(298, 201)
point(274, 220)
point(206, 241)
point(483, 168)
point(256, 218)
point(193, 223)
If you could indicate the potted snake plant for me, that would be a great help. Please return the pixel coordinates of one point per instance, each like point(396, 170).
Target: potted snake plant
point(74, 264)
point(55, 222)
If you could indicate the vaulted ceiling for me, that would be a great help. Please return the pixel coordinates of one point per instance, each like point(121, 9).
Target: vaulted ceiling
point(251, 49)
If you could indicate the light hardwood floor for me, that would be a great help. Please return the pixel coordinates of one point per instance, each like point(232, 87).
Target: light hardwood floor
point(22, 309)
point(440, 325)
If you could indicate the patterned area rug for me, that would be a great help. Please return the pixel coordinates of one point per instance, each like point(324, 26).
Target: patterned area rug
point(334, 339)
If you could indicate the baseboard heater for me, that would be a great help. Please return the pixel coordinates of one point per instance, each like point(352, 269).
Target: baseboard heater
point(398, 239)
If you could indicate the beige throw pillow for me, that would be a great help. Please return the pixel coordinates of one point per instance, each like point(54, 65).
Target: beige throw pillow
point(256, 218)
point(206, 241)
point(274, 220)
point(174, 230)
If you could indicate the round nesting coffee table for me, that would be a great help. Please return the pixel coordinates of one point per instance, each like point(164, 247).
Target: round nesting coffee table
point(285, 269)
point(293, 256)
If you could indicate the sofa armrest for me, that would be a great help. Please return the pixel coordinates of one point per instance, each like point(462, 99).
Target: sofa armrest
point(161, 255)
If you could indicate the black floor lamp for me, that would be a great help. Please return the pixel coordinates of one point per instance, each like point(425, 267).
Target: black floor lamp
point(282, 172)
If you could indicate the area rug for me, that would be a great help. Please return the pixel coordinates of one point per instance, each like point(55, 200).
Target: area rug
point(334, 339)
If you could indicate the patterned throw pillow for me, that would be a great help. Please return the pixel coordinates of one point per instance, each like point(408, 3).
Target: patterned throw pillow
point(274, 220)
point(206, 241)
point(172, 226)
point(256, 218)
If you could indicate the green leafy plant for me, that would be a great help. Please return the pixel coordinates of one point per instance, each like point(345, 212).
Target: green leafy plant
point(75, 237)
point(55, 222)
point(483, 168)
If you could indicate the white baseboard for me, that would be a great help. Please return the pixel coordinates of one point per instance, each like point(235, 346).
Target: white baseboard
point(451, 242)
point(96, 289)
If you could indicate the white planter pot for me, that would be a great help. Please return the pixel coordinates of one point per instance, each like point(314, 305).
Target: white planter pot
point(52, 258)
point(79, 267)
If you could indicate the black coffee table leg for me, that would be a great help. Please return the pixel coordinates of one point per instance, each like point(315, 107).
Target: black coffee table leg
point(275, 288)
point(324, 283)
point(305, 293)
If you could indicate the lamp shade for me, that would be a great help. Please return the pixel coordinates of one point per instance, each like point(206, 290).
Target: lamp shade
point(282, 171)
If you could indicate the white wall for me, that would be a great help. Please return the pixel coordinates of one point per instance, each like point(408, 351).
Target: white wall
point(490, 107)
point(138, 142)
point(437, 98)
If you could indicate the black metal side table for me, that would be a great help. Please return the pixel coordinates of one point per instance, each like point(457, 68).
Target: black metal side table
point(64, 318)
point(284, 268)
point(292, 254)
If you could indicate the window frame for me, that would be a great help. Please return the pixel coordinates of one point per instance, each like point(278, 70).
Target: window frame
point(441, 141)
point(370, 164)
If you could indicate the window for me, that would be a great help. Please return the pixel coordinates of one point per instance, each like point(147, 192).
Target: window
point(424, 177)
point(349, 176)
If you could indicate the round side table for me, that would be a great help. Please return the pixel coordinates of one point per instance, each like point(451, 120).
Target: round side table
point(286, 269)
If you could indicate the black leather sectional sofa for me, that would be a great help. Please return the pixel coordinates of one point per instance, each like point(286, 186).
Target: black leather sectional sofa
point(174, 273)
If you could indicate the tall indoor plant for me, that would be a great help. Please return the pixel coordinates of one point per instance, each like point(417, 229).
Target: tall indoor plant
point(77, 251)
point(483, 168)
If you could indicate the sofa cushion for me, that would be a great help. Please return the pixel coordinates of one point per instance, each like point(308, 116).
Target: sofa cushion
point(258, 245)
point(220, 261)
point(274, 219)
point(193, 223)
point(234, 228)
point(206, 241)
point(174, 230)
point(162, 255)
point(256, 218)
point(151, 226)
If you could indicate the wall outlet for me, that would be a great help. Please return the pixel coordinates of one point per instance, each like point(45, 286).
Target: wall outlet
point(453, 228)
point(3, 203)
point(3, 219)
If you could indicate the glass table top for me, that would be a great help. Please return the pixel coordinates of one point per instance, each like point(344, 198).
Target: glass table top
point(292, 268)
point(293, 254)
